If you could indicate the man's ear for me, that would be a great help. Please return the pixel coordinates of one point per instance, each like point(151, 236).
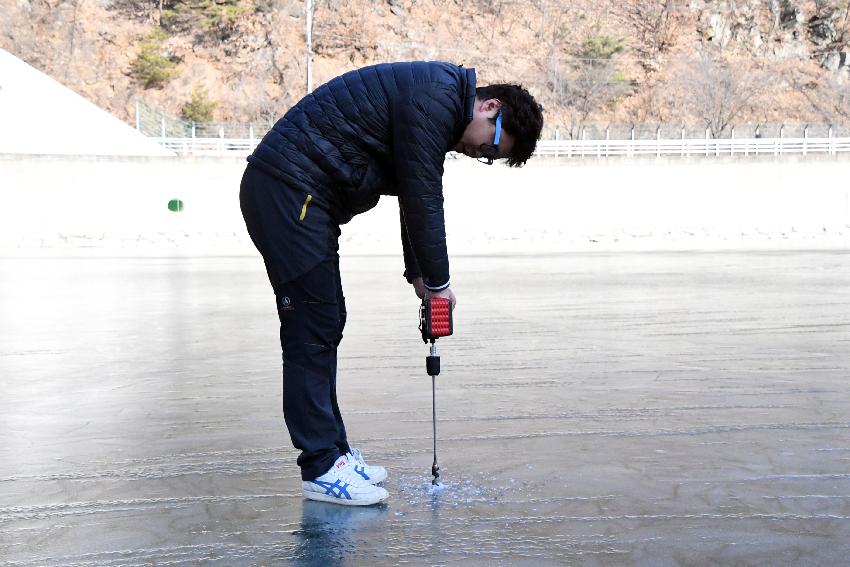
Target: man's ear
point(492, 105)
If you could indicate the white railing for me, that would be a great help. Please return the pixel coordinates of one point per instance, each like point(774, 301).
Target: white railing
point(684, 147)
point(206, 147)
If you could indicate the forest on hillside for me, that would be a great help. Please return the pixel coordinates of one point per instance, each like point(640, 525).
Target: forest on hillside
point(710, 64)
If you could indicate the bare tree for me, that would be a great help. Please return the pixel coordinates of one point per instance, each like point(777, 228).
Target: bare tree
point(490, 20)
point(717, 91)
point(655, 24)
point(586, 84)
point(553, 29)
point(653, 103)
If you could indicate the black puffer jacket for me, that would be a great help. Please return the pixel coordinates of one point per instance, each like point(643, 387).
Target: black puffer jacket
point(380, 130)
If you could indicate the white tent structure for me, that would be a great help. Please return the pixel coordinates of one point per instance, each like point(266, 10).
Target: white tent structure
point(39, 116)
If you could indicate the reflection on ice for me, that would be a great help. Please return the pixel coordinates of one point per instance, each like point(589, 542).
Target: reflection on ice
point(330, 533)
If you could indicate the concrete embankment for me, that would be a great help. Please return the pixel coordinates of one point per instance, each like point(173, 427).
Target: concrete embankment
point(120, 206)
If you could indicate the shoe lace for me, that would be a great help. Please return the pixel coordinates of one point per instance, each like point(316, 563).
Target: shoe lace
point(357, 456)
point(347, 474)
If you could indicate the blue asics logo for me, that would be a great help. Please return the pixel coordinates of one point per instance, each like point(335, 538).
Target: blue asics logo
point(337, 489)
point(361, 471)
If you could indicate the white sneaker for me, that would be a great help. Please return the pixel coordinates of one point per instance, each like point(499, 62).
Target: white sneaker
point(373, 474)
point(341, 485)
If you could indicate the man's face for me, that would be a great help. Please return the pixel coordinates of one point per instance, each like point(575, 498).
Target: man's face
point(482, 131)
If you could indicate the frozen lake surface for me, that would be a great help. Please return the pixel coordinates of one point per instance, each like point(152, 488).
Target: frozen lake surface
point(594, 409)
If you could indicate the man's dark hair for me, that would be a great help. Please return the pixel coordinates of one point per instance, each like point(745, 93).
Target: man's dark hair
point(522, 118)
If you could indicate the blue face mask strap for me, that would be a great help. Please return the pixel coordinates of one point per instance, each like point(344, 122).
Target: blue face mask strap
point(498, 129)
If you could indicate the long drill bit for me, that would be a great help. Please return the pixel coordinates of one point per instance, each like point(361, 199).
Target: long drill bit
point(435, 470)
point(435, 320)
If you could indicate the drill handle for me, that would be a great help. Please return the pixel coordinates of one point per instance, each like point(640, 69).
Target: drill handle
point(435, 318)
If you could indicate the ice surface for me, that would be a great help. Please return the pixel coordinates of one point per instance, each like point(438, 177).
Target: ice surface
point(638, 409)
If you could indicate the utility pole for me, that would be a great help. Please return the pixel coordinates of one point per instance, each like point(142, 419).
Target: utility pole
point(309, 46)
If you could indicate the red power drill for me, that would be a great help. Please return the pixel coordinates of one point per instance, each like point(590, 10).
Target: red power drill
point(435, 321)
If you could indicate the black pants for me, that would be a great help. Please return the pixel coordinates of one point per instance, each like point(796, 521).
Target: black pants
point(299, 245)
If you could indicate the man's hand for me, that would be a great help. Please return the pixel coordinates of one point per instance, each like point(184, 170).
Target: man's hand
point(447, 293)
point(422, 292)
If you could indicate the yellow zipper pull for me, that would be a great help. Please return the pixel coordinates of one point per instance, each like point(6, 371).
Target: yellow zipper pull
point(304, 208)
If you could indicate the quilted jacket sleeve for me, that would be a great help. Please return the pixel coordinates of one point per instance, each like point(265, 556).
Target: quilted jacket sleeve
point(411, 266)
point(423, 127)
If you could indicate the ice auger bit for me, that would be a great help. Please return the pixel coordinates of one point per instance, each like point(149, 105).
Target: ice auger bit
point(435, 321)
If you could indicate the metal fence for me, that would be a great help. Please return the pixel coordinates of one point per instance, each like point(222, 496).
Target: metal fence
point(157, 124)
point(673, 131)
point(693, 147)
point(188, 138)
point(660, 147)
